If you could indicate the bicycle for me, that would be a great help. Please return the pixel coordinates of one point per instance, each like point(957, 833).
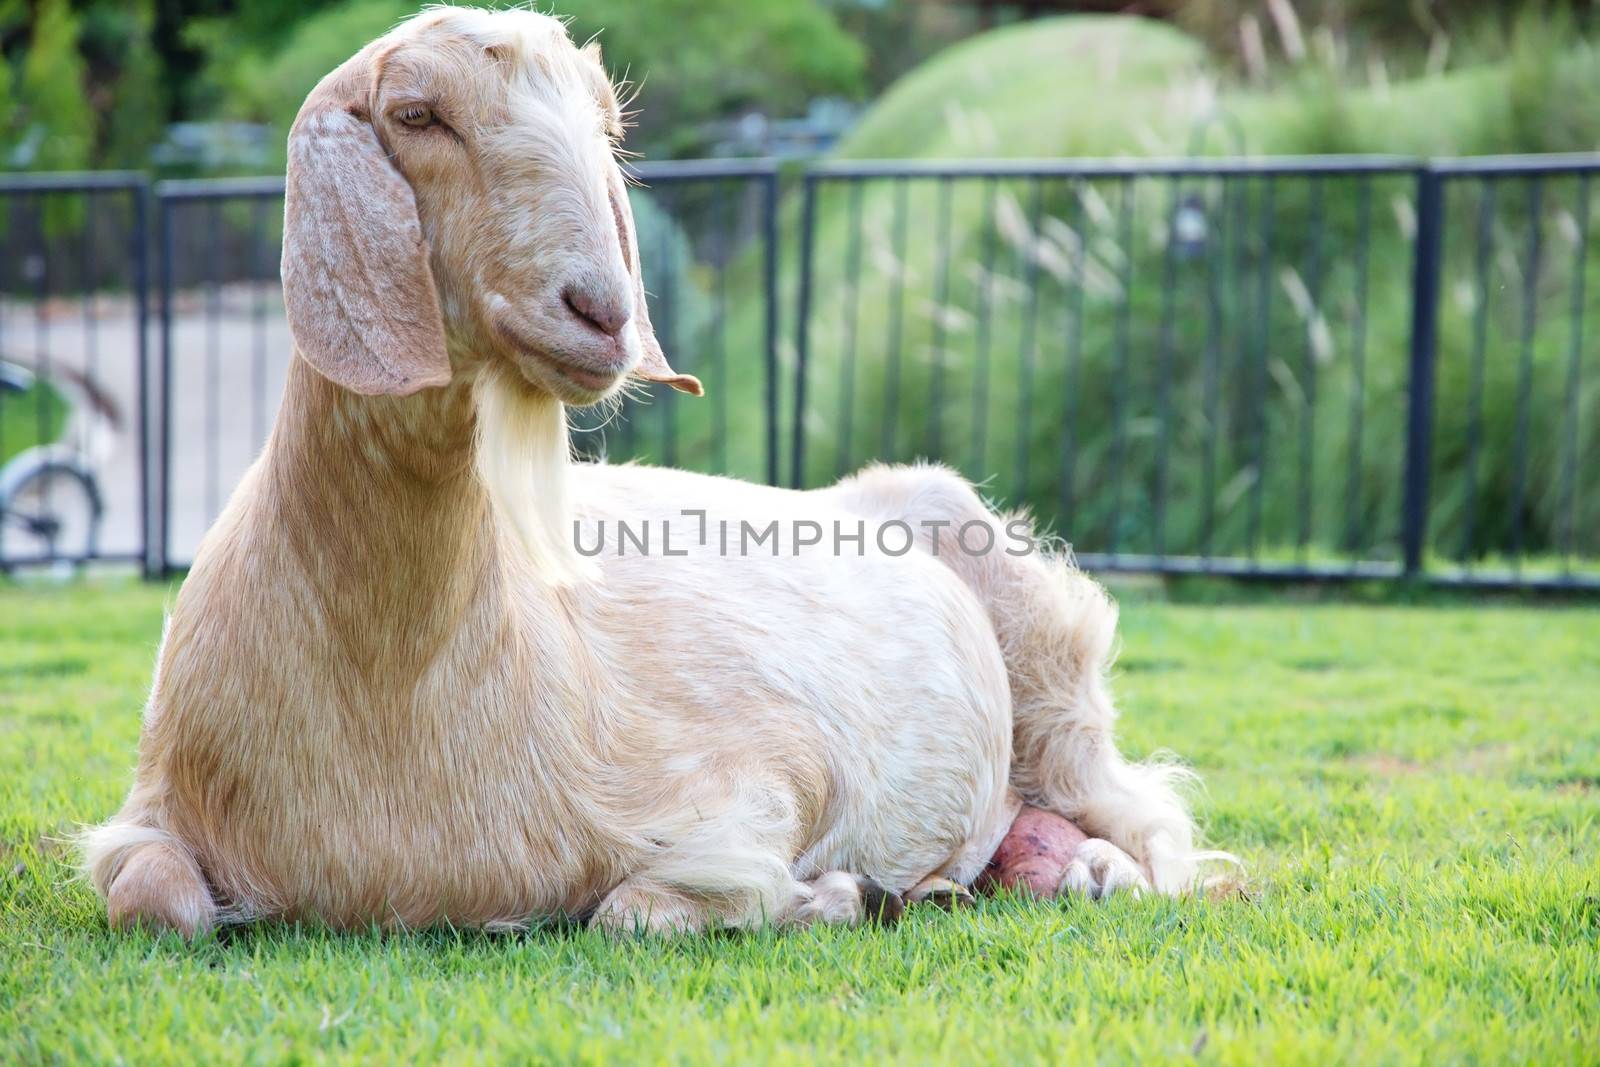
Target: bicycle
point(51, 508)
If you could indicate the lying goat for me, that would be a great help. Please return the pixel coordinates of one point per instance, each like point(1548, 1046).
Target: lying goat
point(391, 690)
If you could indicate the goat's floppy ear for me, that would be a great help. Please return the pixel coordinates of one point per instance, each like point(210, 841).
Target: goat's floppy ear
point(653, 366)
point(360, 297)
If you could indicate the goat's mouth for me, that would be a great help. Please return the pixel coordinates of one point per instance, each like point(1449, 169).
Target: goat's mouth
point(586, 379)
point(582, 377)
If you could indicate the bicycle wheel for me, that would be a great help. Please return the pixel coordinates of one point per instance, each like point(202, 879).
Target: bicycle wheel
point(52, 514)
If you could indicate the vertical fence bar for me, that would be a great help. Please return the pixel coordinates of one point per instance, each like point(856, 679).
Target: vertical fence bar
point(139, 254)
point(41, 344)
point(769, 266)
point(852, 314)
point(163, 507)
point(980, 384)
point(1530, 329)
point(214, 312)
point(1240, 383)
point(1119, 385)
point(1308, 407)
point(1069, 458)
point(1262, 371)
point(808, 220)
point(1569, 472)
point(88, 289)
point(1169, 283)
point(941, 301)
point(258, 324)
point(897, 314)
point(1030, 336)
point(1216, 262)
point(1358, 371)
point(1480, 351)
point(668, 319)
point(727, 221)
point(1426, 264)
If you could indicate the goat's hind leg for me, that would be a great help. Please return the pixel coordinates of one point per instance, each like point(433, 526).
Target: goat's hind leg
point(1065, 755)
point(1056, 628)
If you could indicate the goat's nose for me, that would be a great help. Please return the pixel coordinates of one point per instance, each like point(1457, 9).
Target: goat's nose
point(603, 312)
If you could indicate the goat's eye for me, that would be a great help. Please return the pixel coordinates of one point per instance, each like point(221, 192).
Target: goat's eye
point(417, 116)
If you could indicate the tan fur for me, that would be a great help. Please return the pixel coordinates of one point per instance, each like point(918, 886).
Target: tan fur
point(391, 692)
point(350, 217)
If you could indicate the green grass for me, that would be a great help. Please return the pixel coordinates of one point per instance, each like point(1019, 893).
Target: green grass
point(1414, 789)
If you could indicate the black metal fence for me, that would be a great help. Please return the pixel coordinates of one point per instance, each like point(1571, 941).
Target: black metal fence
point(76, 416)
point(1307, 369)
point(1241, 367)
point(1507, 460)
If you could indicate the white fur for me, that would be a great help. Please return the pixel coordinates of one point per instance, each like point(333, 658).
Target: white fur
point(521, 456)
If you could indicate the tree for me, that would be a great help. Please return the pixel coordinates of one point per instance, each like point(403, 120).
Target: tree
point(693, 59)
point(58, 125)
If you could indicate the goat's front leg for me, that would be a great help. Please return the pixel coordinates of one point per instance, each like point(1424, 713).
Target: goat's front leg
point(148, 878)
point(638, 907)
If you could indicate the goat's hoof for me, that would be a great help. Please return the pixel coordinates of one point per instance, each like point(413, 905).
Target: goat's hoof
point(880, 906)
point(159, 888)
point(1099, 868)
point(941, 893)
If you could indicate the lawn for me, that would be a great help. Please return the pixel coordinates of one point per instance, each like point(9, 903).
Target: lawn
point(1412, 785)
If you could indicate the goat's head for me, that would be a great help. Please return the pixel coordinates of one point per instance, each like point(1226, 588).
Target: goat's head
point(453, 191)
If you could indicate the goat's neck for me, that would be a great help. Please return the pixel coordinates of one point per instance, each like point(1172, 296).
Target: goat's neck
point(388, 516)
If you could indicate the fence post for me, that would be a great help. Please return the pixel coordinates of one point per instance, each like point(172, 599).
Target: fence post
point(808, 218)
point(1424, 351)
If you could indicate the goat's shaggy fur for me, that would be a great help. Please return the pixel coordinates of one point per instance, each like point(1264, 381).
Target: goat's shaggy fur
point(392, 692)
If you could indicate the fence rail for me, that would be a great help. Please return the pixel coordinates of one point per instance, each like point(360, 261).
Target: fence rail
point(1318, 368)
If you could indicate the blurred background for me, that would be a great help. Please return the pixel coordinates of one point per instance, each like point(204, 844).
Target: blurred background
point(185, 88)
point(1040, 241)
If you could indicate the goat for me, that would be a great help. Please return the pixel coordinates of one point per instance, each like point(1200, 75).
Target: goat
point(391, 691)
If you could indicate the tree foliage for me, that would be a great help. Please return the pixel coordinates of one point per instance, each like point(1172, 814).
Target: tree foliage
point(58, 123)
point(81, 85)
point(692, 59)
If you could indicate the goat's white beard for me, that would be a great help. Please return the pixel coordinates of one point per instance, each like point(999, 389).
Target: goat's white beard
point(522, 459)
